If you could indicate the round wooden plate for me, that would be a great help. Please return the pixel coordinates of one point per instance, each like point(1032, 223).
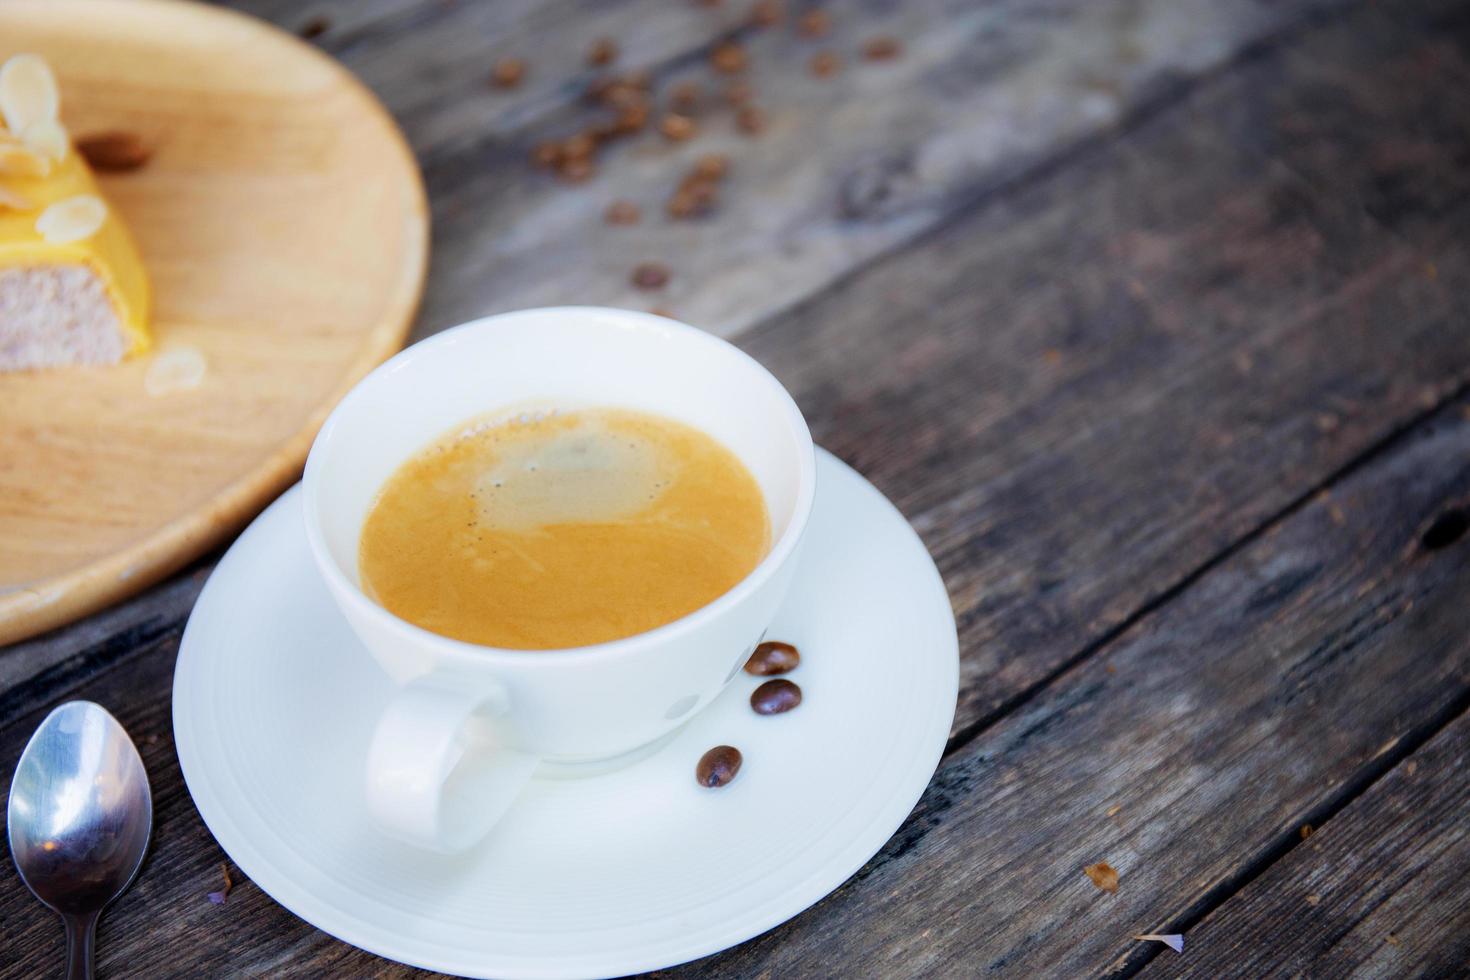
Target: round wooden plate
point(284, 225)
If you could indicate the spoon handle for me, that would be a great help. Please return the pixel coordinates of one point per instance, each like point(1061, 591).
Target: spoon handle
point(81, 930)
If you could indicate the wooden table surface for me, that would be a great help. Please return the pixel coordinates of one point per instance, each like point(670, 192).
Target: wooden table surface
point(1149, 314)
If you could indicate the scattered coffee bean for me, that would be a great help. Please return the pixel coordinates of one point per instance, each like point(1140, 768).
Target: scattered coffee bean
point(677, 127)
point(739, 93)
point(751, 120)
point(579, 147)
point(729, 58)
point(651, 275)
point(693, 198)
point(882, 48)
point(662, 311)
point(766, 13)
point(631, 120)
point(547, 154)
point(622, 213)
point(814, 23)
point(773, 657)
point(718, 766)
point(314, 28)
point(824, 64)
point(684, 98)
point(711, 166)
point(775, 697)
point(577, 169)
point(115, 151)
point(602, 52)
point(508, 73)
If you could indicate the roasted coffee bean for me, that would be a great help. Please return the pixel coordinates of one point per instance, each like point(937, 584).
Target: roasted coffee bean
point(711, 166)
point(766, 13)
point(694, 197)
point(773, 657)
point(577, 169)
point(684, 97)
point(547, 154)
point(508, 73)
point(677, 127)
point(881, 48)
point(751, 120)
point(602, 52)
point(622, 213)
point(775, 697)
point(728, 58)
point(824, 64)
point(718, 766)
point(739, 93)
point(579, 147)
point(314, 28)
point(651, 275)
point(814, 23)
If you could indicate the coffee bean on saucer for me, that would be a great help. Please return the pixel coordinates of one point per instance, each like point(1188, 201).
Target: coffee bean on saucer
point(775, 697)
point(773, 657)
point(718, 766)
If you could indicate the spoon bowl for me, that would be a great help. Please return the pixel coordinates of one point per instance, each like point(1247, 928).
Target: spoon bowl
point(79, 818)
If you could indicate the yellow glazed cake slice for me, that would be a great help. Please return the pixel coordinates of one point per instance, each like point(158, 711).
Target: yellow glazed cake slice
point(72, 288)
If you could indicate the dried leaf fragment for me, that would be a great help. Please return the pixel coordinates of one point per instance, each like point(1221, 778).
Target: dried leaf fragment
point(1103, 876)
point(114, 151)
point(28, 92)
point(218, 898)
point(1174, 941)
point(72, 219)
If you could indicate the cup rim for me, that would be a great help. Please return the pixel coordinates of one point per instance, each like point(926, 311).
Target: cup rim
point(347, 591)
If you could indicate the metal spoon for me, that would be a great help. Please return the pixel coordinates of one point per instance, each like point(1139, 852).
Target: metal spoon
point(80, 817)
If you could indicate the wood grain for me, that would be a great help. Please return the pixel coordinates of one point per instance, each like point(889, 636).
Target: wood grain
point(1164, 399)
point(1377, 891)
point(1186, 755)
point(283, 225)
point(848, 169)
point(1081, 393)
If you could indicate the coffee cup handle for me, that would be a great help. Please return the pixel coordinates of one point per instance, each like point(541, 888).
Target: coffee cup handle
point(437, 775)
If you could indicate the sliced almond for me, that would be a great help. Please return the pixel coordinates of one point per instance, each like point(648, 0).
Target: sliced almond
point(48, 138)
point(19, 160)
point(28, 92)
point(72, 220)
point(10, 200)
point(173, 370)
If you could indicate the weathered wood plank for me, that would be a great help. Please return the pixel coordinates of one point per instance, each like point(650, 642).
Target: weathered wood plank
point(1184, 755)
point(1378, 891)
point(849, 168)
point(1086, 390)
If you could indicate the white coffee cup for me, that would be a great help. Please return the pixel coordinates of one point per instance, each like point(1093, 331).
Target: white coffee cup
point(469, 723)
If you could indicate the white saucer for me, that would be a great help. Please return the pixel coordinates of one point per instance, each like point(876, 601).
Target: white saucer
point(606, 875)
